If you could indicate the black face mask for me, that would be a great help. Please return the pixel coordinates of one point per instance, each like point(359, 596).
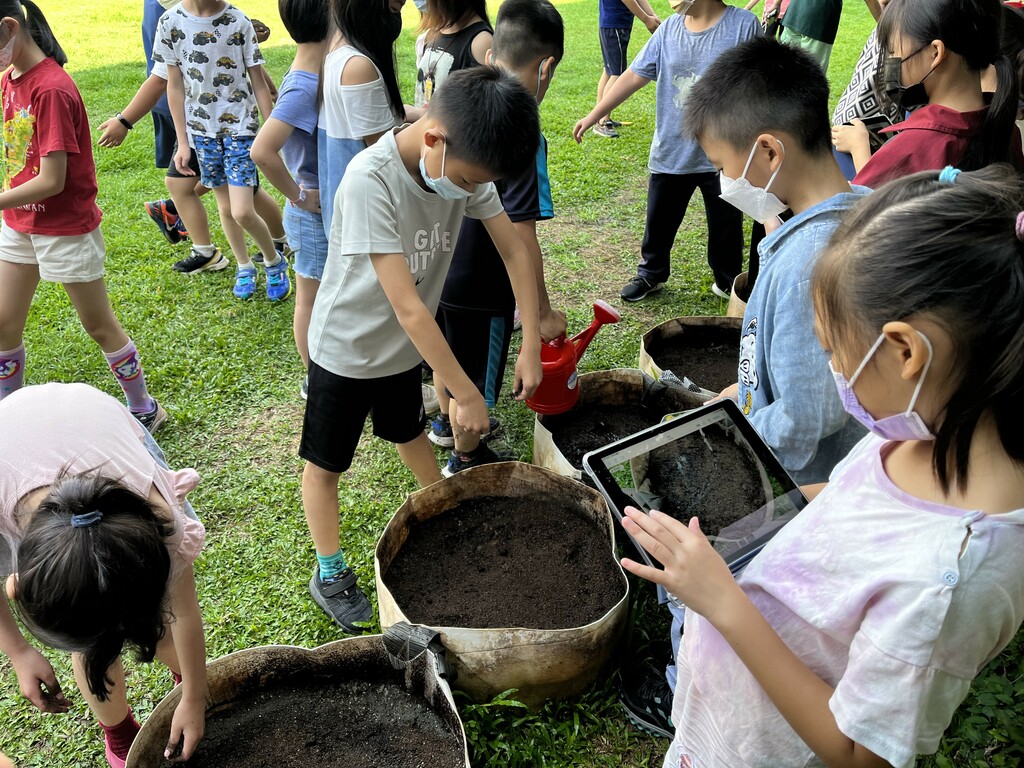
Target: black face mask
point(393, 23)
point(906, 97)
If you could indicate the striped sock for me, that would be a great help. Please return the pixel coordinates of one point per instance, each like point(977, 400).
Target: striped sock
point(331, 566)
point(12, 370)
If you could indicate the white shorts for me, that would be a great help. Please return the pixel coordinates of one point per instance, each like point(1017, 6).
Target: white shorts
point(60, 258)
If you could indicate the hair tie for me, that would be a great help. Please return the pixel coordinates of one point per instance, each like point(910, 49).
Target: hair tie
point(84, 521)
point(949, 174)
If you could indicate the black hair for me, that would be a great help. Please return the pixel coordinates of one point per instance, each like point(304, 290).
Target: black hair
point(371, 28)
point(760, 86)
point(526, 30)
point(970, 29)
point(489, 119)
point(31, 19)
point(1011, 42)
point(306, 20)
point(97, 588)
point(445, 13)
point(921, 248)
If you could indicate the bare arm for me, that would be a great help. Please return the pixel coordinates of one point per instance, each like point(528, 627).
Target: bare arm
point(176, 104)
point(189, 718)
point(266, 153)
point(47, 183)
point(258, 77)
point(149, 93)
point(359, 70)
point(627, 84)
point(481, 45)
point(552, 323)
point(874, 8)
point(36, 678)
point(643, 11)
point(810, 491)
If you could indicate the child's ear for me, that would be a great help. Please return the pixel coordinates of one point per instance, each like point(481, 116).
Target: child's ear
point(489, 57)
point(939, 53)
point(432, 136)
point(914, 351)
point(547, 68)
point(773, 148)
point(10, 586)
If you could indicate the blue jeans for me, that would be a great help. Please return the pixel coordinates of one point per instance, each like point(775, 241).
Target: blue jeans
point(307, 239)
point(157, 453)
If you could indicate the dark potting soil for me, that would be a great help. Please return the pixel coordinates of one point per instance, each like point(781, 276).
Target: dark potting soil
point(713, 367)
point(587, 428)
point(533, 562)
point(351, 724)
point(707, 475)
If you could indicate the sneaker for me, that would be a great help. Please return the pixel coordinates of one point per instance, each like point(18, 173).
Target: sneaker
point(613, 123)
point(638, 288)
point(458, 462)
point(647, 700)
point(342, 600)
point(441, 431)
point(279, 287)
point(604, 129)
point(430, 402)
point(285, 250)
point(152, 420)
point(165, 220)
point(304, 388)
point(719, 292)
point(245, 283)
point(179, 227)
point(197, 262)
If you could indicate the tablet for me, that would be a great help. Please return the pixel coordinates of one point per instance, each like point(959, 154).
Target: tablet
point(709, 463)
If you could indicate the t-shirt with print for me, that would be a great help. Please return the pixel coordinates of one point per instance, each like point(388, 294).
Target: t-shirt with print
point(213, 53)
point(437, 59)
point(381, 209)
point(677, 58)
point(895, 602)
point(44, 113)
point(296, 106)
point(348, 114)
point(477, 280)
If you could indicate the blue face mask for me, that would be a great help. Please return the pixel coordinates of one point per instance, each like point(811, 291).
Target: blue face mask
point(443, 186)
point(421, 5)
point(900, 427)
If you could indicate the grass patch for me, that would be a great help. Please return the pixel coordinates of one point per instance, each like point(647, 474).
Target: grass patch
point(229, 376)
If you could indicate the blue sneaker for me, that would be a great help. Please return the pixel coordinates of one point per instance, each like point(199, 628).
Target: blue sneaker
point(460, 461)
point(441, 431)
point(245, 283)
point(279, 287)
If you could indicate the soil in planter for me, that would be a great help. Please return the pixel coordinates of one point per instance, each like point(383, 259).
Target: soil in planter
point(351, 724)
point(534, 562)
point(587, 428)
point(706, 474)
point(713, 367)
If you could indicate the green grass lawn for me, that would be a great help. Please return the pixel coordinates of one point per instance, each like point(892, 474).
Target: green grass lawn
point(229, 376)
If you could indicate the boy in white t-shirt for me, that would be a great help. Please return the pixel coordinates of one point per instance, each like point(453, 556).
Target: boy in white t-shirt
point(397, 216)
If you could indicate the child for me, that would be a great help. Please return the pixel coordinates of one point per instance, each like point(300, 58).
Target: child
point(477, 304)
point(853, 637)
point(941, 49)
point(676, 56)
point(286, 151)
point(615, 26)
point(103, 543)
point(51, 224)
point(456, 35)
point(396, 222)
point(213, 45)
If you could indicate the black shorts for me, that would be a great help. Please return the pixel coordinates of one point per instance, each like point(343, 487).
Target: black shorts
point(480, 343)
point(193, 164)
point(164, 141)
point(614, 43)
point(337, 408)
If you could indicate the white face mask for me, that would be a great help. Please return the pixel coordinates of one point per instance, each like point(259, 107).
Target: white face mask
point(7, 53)
point(682, 7)
point(443, 186)
point(759, 204)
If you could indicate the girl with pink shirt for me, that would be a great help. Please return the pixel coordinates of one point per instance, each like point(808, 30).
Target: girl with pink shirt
point(102, 542)
point(852, 638)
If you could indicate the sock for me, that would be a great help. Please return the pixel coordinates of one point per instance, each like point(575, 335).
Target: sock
point(331, 566)
point(128, 371)
point(277, 259)
point(120, 737)
point(206, 250)
point(169, 206)
point(12, 370)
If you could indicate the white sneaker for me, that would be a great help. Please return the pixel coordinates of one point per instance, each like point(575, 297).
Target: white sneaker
point(430, 404)
point(719, 292)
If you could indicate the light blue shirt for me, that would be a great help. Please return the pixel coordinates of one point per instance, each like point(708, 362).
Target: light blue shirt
point(296, 106)
point(676, 58)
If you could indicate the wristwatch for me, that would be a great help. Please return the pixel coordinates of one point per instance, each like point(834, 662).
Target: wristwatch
point(300, 198)
point(124, 121)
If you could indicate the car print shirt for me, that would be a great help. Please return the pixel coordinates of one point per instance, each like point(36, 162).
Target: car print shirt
point(213, 53)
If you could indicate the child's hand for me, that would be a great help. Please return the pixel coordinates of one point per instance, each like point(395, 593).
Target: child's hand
point(472, 414)
point(694, 572)
point(583, 126)
point(850, 138)
point(528, 375)
point(652, 23)
point(5, 761)
point(37, 681)
point(113, 133)
point(311, 202)
point(552, 324)
point(187, 728)
point(181, 160)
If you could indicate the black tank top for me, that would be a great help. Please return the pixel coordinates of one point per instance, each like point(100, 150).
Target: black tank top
point(442, 56)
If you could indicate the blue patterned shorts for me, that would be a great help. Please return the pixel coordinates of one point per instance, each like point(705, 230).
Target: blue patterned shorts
point(226, 160)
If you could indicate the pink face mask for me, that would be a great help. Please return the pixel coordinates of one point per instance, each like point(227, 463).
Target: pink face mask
point(900, 427)
point(7, 53)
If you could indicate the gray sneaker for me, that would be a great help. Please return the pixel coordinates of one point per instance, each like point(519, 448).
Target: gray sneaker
point(603, 129)
point(342, 600)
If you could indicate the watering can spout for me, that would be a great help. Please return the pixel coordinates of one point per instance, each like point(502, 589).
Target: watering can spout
point(604, 314)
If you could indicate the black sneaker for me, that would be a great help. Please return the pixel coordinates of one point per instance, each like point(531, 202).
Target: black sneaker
point(342, 600)
point(165, 221)
point(482, 455)
point(152, 420)
point(196, 262)
point(647, 700)
point(638, 288)
point(605, 130)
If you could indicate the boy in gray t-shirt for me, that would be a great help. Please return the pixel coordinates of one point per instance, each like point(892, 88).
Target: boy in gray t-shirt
point(397, 215)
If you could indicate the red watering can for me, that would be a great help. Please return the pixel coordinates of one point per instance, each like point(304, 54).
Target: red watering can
point(558, 392)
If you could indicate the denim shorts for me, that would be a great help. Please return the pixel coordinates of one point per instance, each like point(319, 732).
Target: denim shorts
point(157, 453)
point(225, 160)
point(307, 239)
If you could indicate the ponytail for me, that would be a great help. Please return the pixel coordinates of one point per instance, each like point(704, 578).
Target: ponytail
point(991, 144)
point(32, 20)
